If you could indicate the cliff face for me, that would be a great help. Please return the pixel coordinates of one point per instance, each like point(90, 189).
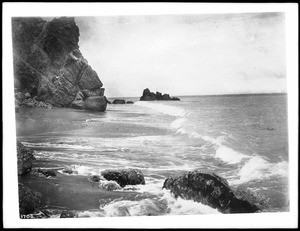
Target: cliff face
point(49, 65)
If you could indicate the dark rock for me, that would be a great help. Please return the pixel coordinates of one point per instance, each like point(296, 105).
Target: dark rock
point(124, 176)
point(29, 200)
point(95, 178)
point(25, 158)
point(166, 97)
point(45, 173)
point(208, 189)
point(96, 103)
point(159, 96)
point(48, 63)
point(129, 102)
point(68, 214)
point(119, 101)
point(150, 96)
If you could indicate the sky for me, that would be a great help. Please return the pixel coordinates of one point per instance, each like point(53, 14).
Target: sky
point(204, 54)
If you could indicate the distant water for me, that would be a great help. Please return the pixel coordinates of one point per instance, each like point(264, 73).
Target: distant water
point(242, 138)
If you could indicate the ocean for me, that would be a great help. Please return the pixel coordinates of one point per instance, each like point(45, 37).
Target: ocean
point(243, 138)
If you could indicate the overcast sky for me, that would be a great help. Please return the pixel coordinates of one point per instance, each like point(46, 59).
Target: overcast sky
point(186, 54)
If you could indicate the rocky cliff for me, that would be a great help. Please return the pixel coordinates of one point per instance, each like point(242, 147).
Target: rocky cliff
point(49, 65)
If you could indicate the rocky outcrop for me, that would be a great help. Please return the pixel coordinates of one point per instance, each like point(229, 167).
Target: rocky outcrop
point(150, 96)
point(119, 101)
point(29, 200)
point(129, 102)
point(208, 189)
point(25, 157)
point(124, 176)
point(48, 63)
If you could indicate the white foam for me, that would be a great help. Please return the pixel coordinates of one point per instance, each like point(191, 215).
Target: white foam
point(229, 155)
point(163, 108)
point(180, 206)
point(258, 167)
point(178, 123)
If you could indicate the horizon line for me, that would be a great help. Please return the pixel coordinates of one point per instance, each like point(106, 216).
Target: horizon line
point(230, 94)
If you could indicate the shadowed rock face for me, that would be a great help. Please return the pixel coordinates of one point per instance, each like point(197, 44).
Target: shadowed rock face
point(151, 96)
point(48, 63)
point(209, 189)
point(124, 176)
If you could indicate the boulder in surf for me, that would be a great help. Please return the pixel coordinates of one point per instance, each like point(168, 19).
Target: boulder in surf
point(208, 189)
point(124, 176)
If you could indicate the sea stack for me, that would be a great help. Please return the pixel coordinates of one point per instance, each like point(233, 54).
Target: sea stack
point(49, 66)
point(151, 96)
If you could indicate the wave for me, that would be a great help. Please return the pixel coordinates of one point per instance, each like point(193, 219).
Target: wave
point(258, 167)
point(163, 108)
point(248, 167)
point(229, 155)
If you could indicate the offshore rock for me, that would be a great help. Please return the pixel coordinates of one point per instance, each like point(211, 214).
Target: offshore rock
point(124, 176)
point(151, 96)
point(208, 189)
point(119, 101)
point(129, 102)
point(48, 64)
point(29, 200)
point(25, 158)
point(96, 103)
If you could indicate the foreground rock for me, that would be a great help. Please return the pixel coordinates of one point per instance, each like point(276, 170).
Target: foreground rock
point(150, 96)
point(124, 176)
point(29, 200)
point(96, 103)
point(25, 158)
point(208, 189)
point(48, 64)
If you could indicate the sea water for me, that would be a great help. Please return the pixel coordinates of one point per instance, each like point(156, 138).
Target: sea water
point(242, 138)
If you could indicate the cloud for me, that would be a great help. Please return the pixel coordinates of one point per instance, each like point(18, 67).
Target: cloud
point(186, 54)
